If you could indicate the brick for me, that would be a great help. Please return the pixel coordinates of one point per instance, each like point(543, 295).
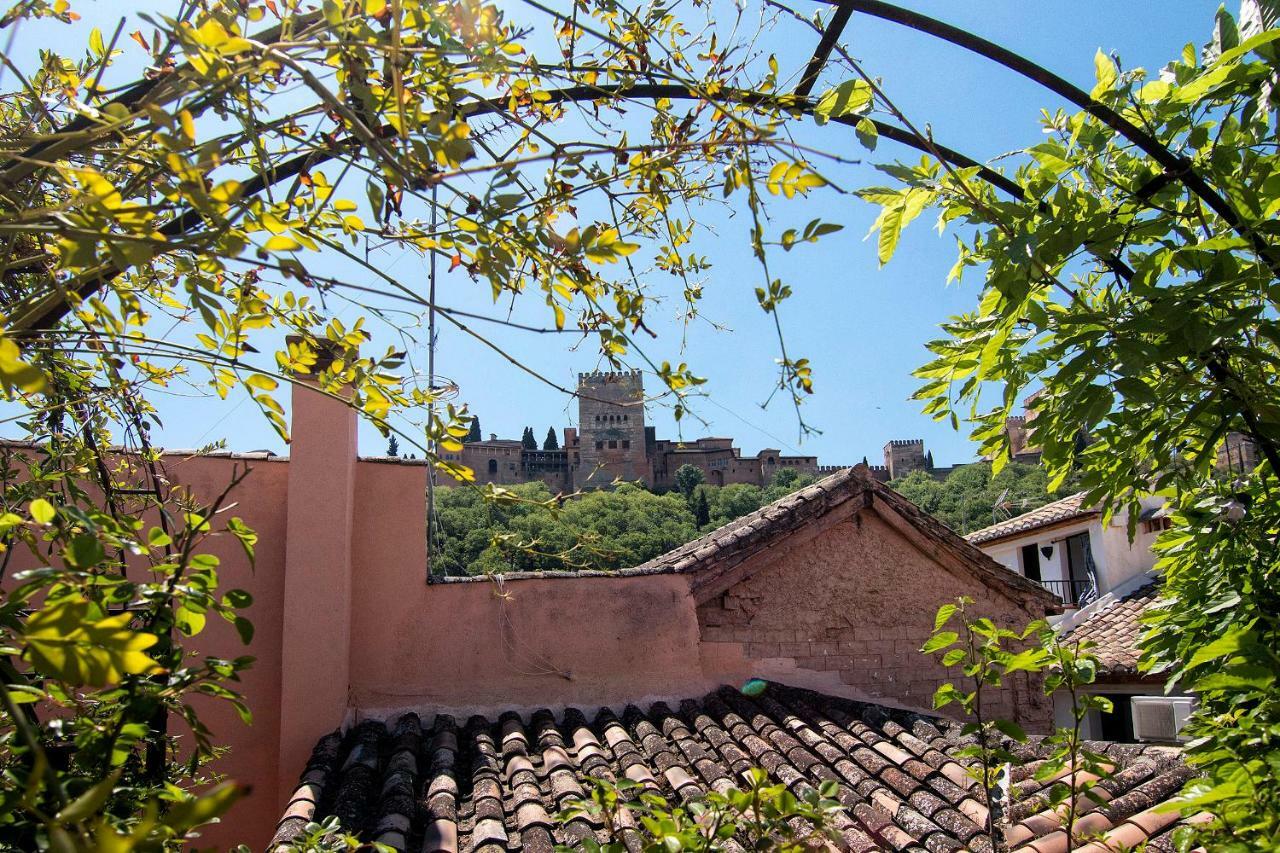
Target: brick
point(823, 648)
point(763, 650)
point(793, 650)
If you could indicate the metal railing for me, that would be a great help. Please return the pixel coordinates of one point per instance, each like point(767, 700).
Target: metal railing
point(1072, 592)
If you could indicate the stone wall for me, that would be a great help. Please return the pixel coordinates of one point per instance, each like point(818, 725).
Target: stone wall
point(855, 603)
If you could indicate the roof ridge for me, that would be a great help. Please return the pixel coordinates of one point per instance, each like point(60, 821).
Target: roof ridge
point(1062, 509)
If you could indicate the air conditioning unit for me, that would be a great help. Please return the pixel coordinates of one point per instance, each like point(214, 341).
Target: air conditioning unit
point(1161, 718)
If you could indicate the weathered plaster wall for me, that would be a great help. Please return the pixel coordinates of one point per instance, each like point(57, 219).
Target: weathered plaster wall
point(548, 641)
point(857, 601)
point(253, 759)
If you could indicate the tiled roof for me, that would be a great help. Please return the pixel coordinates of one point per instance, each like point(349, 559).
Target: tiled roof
point(1116, 630)
point(1067, 509)
point(483, 786)
point(764, 528)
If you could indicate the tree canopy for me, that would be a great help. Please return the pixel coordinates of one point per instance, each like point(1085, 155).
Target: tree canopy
point(971, 497)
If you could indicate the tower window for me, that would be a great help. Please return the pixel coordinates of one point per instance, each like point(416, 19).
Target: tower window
point(626, 444)
point(613, 445)
point(493, 466)
point(599, 445)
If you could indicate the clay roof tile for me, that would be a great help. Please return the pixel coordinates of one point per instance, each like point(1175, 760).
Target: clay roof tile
point(898, 779)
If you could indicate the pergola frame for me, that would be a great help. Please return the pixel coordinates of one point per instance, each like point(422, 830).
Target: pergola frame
point(52, 308)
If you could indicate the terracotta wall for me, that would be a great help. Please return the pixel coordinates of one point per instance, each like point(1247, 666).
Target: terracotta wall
point(346, 625)
point(855, 603)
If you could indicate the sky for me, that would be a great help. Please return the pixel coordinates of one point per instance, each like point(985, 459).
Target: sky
point(862, 327)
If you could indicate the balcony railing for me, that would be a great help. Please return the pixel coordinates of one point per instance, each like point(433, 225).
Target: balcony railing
point(1072, 592)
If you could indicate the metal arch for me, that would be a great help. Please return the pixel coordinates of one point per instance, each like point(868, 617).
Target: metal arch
point(822, 53)
point(54, 306)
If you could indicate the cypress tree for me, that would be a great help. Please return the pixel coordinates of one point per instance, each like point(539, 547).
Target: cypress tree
point(550, 442)
point(527, 439)
point(474, 434)
point(701, 510)
point(393, 447)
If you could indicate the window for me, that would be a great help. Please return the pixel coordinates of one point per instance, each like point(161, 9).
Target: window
point(1155, 525)
point(771, 460)
point(1118, 725)
point(493, 466)
point(1030, 562)
point(626, 444)
point(613, 445)
point(599, 445)
point(626, 417)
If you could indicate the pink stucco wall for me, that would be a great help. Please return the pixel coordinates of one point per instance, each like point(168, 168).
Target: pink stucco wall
point(347, 626)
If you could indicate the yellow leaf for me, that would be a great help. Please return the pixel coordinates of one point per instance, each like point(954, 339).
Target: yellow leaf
point(281, 243)
point(16, 373)
point(188, 125)
point(261, 382)
point(42, 511)
point(65, 641)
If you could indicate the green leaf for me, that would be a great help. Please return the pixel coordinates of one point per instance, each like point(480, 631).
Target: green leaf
point(945, 612)
point(185, 816)
point(1011, 730)
point(90, 802)
point(1228, 644)
point(849, 97)
point(939, 641)
point(85, 551)
point(1105, 71)
point(867, 133)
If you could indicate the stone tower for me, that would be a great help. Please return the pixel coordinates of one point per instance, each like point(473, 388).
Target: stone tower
point(611, 429)
point(902, 456)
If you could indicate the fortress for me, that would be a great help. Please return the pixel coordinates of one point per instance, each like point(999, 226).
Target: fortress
point(612, 442)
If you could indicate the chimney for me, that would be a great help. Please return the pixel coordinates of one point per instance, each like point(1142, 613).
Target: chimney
point(316, 630)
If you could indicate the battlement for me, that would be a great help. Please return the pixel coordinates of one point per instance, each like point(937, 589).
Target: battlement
point(1017, 420)
point(600, 377)
point(905, 442)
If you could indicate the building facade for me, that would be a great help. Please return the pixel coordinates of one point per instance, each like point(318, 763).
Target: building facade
point(1106, 582)
point(613, 443)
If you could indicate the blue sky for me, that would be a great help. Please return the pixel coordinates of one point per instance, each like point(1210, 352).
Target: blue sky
point(862, 327)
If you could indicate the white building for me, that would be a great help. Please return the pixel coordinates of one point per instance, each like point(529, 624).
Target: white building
point(1066, 547)
point(1106, 583)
